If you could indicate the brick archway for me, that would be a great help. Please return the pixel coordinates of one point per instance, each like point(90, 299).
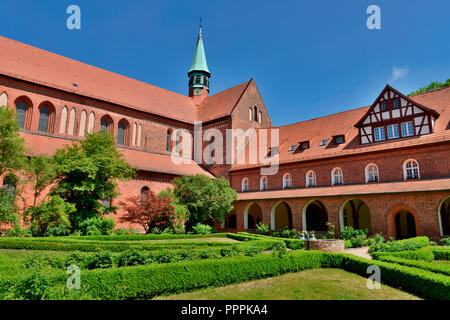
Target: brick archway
point(393, 211)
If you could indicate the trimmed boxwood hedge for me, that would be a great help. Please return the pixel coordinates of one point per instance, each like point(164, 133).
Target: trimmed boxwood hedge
point(441, 254)
point(401, 245)
point(145, 282)
point(425, 254)
point(433, 267)
point(137, 237)
point(290, 243)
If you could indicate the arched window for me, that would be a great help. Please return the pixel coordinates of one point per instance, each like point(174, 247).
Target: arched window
point(91, 122)
point(3, 99)
point(83, 121)
point(106, 124)
point(411, 169)
point(287, 180)
point(9, 185)
point(123, 133)
point(372, 173)
point(168, 140)
point(133, 138)
point(250, 114)
point(63, 124)
point(21, 114)
point(255, 113)
point(310, 179)
point(244, 184)
point(263, 184)
point(72, 117)
point(144, 194)
point(260, 117)
point(337, 176)
point(44, 118)
point(178, 142)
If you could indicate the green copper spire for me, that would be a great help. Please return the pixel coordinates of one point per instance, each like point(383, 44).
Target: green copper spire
point(199, 73)
point(199, 61)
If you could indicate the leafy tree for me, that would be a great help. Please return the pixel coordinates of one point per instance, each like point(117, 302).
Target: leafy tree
point(432, 86)
point(12, 159)
point(87, 173)
point(149, 211)
point(50, 217)
point(180, 212)
point(208, 200)
point(42, 172)
point(12, 145)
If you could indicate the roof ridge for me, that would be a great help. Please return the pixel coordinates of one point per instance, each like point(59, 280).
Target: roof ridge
point(322, 117)
point(60, 56)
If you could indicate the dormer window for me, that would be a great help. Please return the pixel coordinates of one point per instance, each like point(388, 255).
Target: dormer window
point(323, 142)
point(274, 151)
point(407, 129)
point(339, 139)
point(379, 134)
point(304, 145)
point(292, 148)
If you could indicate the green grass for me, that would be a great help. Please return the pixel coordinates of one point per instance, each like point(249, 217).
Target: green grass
point(315, 284)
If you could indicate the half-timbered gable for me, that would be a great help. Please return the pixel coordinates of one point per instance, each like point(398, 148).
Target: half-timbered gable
point(394, 116)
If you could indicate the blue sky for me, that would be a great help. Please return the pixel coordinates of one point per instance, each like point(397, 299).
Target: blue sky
point(308, 58)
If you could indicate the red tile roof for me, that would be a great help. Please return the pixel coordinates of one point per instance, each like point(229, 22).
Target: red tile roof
point(343, 123)
point(222, 103)
point(348, 190)
point(35, 65)
point(145, 161)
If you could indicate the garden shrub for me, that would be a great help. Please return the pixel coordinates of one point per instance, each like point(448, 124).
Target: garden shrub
point(433, 267)
point(349, 233)
point(32, 287)
point(201, 229)
point(132, 258)
point(445, 241)
point(401, 245)
point(441, 254)
point(425, 254)
point(262, 228)
point(101, 260)
point(96, 226)
point(126, 231)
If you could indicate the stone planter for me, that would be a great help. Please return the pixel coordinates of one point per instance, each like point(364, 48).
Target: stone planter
point(327, 245)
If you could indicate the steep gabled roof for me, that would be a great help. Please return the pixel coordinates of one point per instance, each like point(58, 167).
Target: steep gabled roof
point(389, 88)
point(221, 104)
point(315, 130)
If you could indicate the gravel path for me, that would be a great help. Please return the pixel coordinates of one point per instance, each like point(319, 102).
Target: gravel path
point(362, 252)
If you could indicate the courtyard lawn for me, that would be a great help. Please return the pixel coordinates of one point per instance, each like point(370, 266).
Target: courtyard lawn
point(315, 284)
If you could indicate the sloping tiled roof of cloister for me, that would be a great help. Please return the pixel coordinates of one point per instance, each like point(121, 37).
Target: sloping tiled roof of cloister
point(343, 123)
point(24, 62)
point(145, 161)
point(349, 190)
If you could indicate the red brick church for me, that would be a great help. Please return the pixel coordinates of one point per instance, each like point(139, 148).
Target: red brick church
point(384, 167)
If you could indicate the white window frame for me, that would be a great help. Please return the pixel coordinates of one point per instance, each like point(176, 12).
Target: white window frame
point(263, 183)
point(393, 131)
point(369, 173)
point(379, 130)
point(334, 176)
point(287, 181)
point(311, 176)
point(409, 130)
point(244, 184)
point(406, 169)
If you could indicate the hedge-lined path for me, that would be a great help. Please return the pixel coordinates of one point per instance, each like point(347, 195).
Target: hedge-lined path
point(362, 252)
point(315, 284)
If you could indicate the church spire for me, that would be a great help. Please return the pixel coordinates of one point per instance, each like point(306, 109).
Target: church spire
point(199, 73)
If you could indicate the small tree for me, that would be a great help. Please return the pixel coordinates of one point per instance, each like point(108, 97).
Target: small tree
point(180, 211)
point(12, 159)
point(208, 200)
point(41, 172)
point(87, 173)
point(149, 211)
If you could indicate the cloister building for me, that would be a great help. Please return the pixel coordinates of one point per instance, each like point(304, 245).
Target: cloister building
point(384, 167)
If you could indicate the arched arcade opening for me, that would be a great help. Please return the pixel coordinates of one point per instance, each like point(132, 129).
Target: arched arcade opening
point(314, 216)
point(252, 216)
point(356, 214)
point(444, 217)
point(281, 216)
point(405, 225)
